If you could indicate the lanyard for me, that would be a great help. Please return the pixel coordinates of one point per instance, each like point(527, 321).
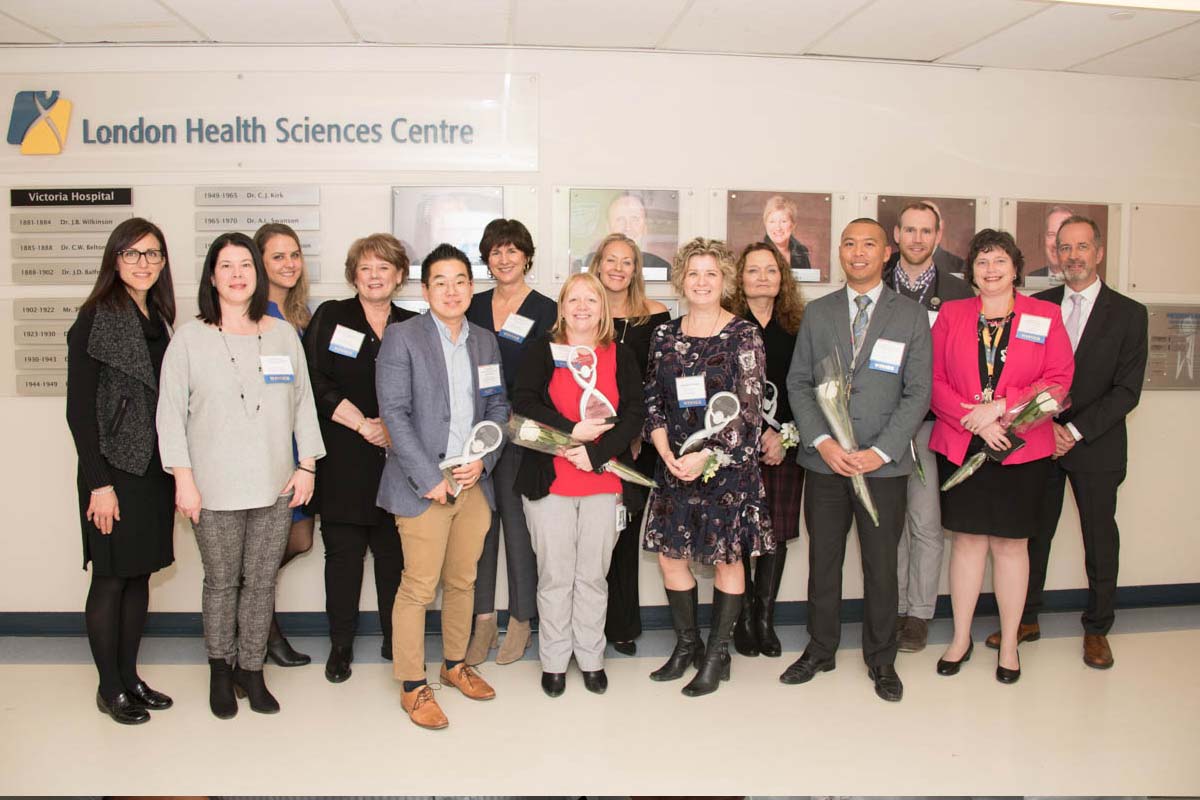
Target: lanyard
point(991, 347)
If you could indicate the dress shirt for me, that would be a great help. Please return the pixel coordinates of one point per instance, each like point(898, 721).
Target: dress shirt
point(1086, 305)
point(458, 378)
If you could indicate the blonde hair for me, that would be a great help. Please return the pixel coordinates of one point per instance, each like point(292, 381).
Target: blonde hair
point(706, 247)
point(637, 304)
point(383, 246)
point(295, 305)
point(781, 203)
point(789, 303)
point(606, 331)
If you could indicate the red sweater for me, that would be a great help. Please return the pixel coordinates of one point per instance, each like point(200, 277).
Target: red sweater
point(569, 480)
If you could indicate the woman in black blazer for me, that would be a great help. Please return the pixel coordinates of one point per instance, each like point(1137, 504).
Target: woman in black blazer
point(341, 344)
point(126, 501)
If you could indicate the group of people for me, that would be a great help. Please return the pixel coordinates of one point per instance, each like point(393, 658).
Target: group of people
point(396, 430)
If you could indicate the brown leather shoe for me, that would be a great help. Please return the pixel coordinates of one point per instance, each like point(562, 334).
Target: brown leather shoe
point(1096, 652)
point(422, 708)
point(913, 637)
point(1025, 633)
point(464, 678)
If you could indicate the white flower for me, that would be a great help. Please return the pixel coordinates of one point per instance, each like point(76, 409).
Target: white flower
point(528, 431)
point(827, 391)
point(789, 436)
point(747, 360)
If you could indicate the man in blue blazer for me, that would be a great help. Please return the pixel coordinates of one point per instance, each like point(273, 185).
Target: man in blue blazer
point(436, 376)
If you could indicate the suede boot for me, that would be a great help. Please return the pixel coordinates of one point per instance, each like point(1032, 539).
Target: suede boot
point(249, 683)
point(688, 647)
point(220, 689)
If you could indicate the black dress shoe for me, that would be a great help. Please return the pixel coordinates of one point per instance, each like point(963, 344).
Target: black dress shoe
point(887, 683)
point(152, 700)
point(1006, 675)
point(805, 668)
point(626, 648)
point(595, 681)
point(123, 709)
point(281, 653)
point(554, 683)
point(947, 667)
point(337, 668)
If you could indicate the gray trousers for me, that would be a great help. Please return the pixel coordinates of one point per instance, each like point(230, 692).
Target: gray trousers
point(240, 551)
point(919, 559)
point(518, 550)
point(573, 538)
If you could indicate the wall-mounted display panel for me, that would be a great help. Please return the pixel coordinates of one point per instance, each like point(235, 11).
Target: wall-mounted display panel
point(425, 216)
point(648, 216)
point(1035, 223)
point(954, 223)
point(1155, 265)
point(1173, 363)
point(797, 223)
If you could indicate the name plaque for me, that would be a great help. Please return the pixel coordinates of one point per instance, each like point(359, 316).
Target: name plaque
point(67, 221)
point(308, 244)
point(38, 308)
point(258, 195)
point(306, 219)
point(59, 246)
point(1173, 361)
point(41, 333)
point(45, 358)
point(48, 384)
point(81, 272)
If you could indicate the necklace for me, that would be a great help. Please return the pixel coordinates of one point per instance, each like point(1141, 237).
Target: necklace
point(233, 360)
point(991, 346)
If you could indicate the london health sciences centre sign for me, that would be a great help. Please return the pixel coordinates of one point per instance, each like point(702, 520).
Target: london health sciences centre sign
point(272, 121)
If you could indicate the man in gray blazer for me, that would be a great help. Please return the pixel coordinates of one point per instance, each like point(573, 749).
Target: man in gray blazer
point(885, 347)
point(436, 376)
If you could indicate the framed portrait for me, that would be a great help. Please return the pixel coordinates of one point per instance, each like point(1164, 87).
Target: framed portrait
point(797, 223)
point(425, 216)
point(957, 216)
point(648, 216)
point(1037, 224)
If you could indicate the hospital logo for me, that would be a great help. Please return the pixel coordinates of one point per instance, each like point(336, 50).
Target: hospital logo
point(39, 123)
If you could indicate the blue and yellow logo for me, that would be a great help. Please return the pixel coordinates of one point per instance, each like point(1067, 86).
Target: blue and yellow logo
point(39, 123)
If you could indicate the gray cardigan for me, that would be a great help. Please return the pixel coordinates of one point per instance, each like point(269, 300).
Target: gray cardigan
point(240, 458)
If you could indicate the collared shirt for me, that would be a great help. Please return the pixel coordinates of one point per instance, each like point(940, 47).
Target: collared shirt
point(1087, 303)
point(461, 384)
point(916, 289)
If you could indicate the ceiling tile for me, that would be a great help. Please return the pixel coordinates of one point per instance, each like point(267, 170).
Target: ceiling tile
point(429, 22)
point(107, 21)
point(13, 32)
point(1172, 55)
point(265, 21)
point(1065, 35)
point(767, 26)
point(583, 23)
point(921, 30)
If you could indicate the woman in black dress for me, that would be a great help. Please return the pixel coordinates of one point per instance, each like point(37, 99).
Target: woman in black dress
point(341, 344)
point(617, 262)
point(126, 501)
point(768, 296)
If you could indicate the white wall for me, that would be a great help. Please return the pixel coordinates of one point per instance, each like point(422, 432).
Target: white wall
point(694, 123)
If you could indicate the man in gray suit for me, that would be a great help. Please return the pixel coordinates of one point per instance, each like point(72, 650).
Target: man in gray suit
point(437, 375)
point(884, 342)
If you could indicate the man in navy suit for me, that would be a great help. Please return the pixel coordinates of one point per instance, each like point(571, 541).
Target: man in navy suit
point(1108, 333)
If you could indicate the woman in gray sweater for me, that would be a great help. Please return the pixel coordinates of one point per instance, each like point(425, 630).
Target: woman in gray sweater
point(233, 392)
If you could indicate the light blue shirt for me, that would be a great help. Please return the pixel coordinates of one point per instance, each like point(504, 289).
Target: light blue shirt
point(462, 385)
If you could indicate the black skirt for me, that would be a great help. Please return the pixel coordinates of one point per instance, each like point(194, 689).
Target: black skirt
point(143, 540)
point(997, 500)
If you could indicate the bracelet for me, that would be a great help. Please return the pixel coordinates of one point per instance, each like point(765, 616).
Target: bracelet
point(104, 490)
point(306, 469)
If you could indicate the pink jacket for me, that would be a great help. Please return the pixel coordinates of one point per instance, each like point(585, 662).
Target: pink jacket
point(956, 372)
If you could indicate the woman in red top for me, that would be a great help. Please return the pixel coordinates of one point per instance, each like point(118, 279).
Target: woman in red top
point(571, 504)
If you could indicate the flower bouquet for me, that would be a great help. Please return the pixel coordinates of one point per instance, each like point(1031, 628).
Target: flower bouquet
point(533, 435)
point(789, 436)
point(833, 398)
point(1029, 408)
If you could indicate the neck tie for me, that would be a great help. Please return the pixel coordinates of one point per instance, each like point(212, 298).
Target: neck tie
point(1073, 327)
point(859, 326)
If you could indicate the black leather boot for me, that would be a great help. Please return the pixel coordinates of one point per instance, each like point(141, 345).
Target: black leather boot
point(250, 683)
point(337, 667)
point(766, 589)
point(220, 689)
point(745, 637)
point(715, 667)
point(281, 651)
point(688, 647)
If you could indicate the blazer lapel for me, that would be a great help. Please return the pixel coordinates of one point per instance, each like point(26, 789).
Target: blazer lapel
point(878, 319)
point(842, 335)
point(437, 359)
point(1097, 321)
point(473, 345)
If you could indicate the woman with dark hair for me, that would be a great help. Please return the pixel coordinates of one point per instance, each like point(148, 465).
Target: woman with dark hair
point(987, 349)
point(126, 502)
point(341, 345)
point(517, 315)
point(766, 294)
point(287, 299)
point(617, 262)
point(234, 393)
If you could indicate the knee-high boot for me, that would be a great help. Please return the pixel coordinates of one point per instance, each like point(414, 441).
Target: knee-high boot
point(688, 647)
point(766, 589)
point(715, 667)
point(745, 637)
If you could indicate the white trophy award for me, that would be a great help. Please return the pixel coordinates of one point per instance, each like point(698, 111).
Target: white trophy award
point(486, 437)
point(723, 408)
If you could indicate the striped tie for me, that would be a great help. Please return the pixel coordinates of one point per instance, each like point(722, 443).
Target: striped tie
point(859, 327)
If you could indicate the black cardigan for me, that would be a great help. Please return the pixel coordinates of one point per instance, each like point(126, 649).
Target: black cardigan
point(531, 398)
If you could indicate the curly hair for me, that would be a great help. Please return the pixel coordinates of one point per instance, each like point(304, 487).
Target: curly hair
point(701, 246)
point(789, 303)
point(989, 239)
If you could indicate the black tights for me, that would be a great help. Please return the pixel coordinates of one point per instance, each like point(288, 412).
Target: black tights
point(300, 541)
point(116, 614)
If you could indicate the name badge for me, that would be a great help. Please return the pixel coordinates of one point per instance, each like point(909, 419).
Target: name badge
point(516, 328)
point(489, 380)
point(561, 353)
point(277, 369)
point(691, 391)
point(346, 341)
point(886, 356)
point(1033, 328)
point(932, 317)
point(622, 517)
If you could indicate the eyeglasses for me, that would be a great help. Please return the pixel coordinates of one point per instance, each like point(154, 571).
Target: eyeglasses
point(130, 257)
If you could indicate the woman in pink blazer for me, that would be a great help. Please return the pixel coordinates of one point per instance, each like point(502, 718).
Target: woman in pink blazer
point(986, 350)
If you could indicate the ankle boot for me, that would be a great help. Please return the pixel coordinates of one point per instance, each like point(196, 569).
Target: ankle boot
point(766, 590)
point(745, 637)
point(688, 647)
point(249, 683)
point(220, 689)
point(715, 667)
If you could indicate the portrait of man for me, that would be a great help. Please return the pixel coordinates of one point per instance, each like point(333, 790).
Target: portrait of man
point(955, 227)
point(1036, 234)
point(796, 223)
point(650, 217)
point(426, 216)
